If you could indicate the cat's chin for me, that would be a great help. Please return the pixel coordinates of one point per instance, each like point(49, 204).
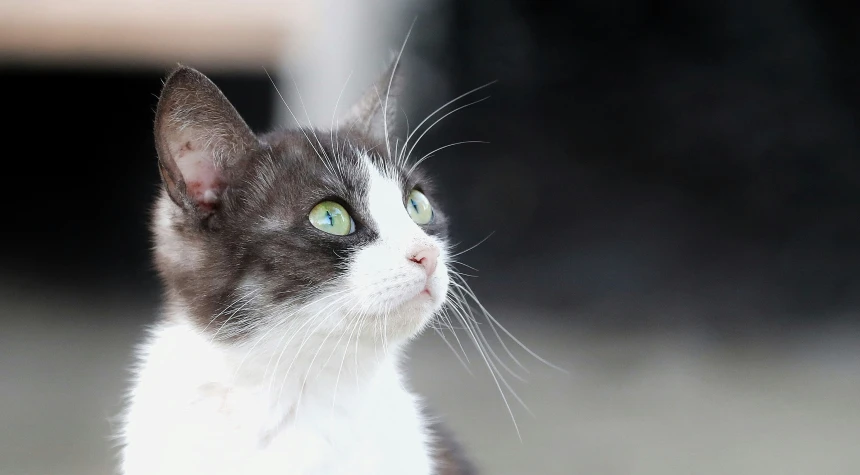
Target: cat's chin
point(412, 316)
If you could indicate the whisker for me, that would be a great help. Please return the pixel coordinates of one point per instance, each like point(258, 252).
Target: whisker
point(460, 290)
point(396, 143)
point(489, 351)
point(473, 247)
point(308, 336)
point(302, 129)
point(409, 137)
point(232, 315)
point(311, 364)
point(456, 353)
point(463, 274)
point(463, 362)
point(428, 129)
point(308, 321)
point(493, 321)
point(358, 321)
point(492, 374)
point(355, 356)
point(489, 347)
point(454, 331)
point(388, 91)
point(281, 319)
point(320, 316)
point(406, 117)
point(244, 296)
point(462, 264)
point(313, 130)
point(425, 157)
point(333, 127)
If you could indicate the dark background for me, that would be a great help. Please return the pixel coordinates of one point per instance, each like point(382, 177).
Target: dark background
point(687, 164)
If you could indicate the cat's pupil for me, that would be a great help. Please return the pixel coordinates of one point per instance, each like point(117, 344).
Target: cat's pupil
point(329, 218)
point(414, 204)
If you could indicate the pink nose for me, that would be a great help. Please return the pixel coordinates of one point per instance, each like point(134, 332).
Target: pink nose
point(426, 258)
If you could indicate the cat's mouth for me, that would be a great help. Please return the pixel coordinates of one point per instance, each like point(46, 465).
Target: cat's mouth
point(427, 290)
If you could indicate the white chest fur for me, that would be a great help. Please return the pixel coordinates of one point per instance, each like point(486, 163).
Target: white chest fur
point(189, 414)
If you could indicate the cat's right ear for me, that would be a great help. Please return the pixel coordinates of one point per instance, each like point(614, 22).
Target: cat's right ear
point(375, 114)
point(201, 141)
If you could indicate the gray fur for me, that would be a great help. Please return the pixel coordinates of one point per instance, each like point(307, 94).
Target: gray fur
point(260, 230)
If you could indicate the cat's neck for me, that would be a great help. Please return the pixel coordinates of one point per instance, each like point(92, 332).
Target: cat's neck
point(292, 373)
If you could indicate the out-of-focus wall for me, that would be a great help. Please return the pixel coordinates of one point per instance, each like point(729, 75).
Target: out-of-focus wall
point(219, 34)
point(346, 50)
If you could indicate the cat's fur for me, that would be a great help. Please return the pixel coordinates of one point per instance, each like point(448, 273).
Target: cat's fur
point(278, 348)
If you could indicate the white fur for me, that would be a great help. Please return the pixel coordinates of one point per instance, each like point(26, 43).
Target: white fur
point(315, 389)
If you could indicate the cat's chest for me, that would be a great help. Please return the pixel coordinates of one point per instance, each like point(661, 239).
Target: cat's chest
point(384, 435)
point(185, 417)
point(359, 452)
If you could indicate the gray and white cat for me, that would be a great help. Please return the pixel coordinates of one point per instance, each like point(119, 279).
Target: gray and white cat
point(296, 265)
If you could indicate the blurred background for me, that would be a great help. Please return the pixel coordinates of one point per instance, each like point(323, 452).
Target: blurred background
point(671, 191)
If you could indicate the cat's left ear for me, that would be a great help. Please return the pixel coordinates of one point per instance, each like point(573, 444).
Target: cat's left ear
point(377, 111)
point(201, 141)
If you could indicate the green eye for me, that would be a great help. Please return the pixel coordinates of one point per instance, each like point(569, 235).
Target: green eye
point(330, 217)
point(419, 207)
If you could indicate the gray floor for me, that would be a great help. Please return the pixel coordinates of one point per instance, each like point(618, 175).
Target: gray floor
point(630, 405)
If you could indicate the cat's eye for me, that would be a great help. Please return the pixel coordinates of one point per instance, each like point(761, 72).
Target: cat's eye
point(332, 218)
point(419, 207)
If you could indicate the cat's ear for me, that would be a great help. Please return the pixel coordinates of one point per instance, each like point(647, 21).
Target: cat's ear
point(377, 111)
point(201, 140)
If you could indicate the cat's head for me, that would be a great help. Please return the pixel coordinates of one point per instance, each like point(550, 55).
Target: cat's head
point(323, 231)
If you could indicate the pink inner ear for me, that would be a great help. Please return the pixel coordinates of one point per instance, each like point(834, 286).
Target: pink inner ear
point(203, 182)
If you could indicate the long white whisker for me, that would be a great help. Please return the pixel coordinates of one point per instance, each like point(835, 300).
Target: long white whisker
point(318, 316)
point(453, 350)
point(428, 129)
point(462, 264)
point(242, 297)
point(309, 335)
point(460, 291)
point(489, 348)
point(492, 372)
point(489, 352)
point(355, 353)
point(282, 319)
point(425, 157)
point(454, 332)
point(232, 315)
point(409, 137)
point(313, 130)
point(333, 129)
point(358, 322)
point(311, 364)
point(473, 247)
point(406, 117)
point(388, 91)
point(290, 110)
point(492, 319)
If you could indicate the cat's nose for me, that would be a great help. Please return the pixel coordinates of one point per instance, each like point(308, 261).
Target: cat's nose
point(426, 258)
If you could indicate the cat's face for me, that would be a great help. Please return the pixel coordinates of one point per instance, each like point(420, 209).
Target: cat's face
point(312, 232)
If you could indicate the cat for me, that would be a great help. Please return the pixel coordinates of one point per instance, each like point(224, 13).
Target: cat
point(296, 265)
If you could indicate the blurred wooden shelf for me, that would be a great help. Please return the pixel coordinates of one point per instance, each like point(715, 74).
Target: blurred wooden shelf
point(216, 34)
